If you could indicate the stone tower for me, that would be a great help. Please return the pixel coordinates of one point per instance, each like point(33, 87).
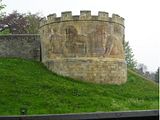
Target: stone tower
point(85, 47)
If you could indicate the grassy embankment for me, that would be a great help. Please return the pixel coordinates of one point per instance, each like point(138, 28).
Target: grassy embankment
point(29, 84)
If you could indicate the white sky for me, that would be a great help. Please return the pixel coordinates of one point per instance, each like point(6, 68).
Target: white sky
point(142, 20)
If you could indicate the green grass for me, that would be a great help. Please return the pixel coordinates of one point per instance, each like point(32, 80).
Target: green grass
point(29, 84)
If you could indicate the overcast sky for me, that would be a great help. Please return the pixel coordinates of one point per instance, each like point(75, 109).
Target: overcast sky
point(142, 20)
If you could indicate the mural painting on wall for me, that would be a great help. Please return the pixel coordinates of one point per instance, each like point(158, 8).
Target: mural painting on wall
point(106, 45)
point(96, 43)
point(75, 43)
point(114, 47)
point(55, 44)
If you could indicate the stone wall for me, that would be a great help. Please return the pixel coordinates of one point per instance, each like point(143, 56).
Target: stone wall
point(96, 70)
point(24, 46)
point(85, 47)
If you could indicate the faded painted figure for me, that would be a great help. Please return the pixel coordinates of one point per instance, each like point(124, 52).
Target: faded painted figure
point(114, 47)
point(55, 44)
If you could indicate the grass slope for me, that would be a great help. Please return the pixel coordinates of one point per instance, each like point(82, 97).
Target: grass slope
point(29, 84)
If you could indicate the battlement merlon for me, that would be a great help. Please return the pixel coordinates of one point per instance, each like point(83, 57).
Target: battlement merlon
point(84, 15)
point(117, 19)
point(103, 16)
point(43, 21)
point(51, 18)
point(67, 15)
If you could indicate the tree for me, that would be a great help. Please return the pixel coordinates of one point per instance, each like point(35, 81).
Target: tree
point(2, 6)
point(5, 31)
point(15, 22)
point(33, 21)
point(129, 56)
point(157, 75)
point(142, 68)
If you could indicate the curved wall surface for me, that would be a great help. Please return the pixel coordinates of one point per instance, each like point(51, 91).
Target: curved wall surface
point(85, 47)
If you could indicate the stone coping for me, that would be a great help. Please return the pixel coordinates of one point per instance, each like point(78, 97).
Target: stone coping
point(88, 58)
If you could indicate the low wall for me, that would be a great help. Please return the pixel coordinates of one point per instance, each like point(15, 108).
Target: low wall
point(130, 115)
point(21, 45)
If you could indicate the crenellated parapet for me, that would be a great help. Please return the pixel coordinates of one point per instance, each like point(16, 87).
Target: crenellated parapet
point(85, 15)
point(51, 17)
point(117, 19)
point(66, 16)
point(103, 16)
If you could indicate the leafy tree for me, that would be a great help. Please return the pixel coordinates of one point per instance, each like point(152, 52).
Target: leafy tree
point(33, 21)
point(157, 75)
point(15, 22)
point(142, 68)
point(129, 56)
point(5, 31)
point(2, 6)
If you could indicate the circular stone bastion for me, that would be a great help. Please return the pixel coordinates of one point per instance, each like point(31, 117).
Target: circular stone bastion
point(85, 47)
